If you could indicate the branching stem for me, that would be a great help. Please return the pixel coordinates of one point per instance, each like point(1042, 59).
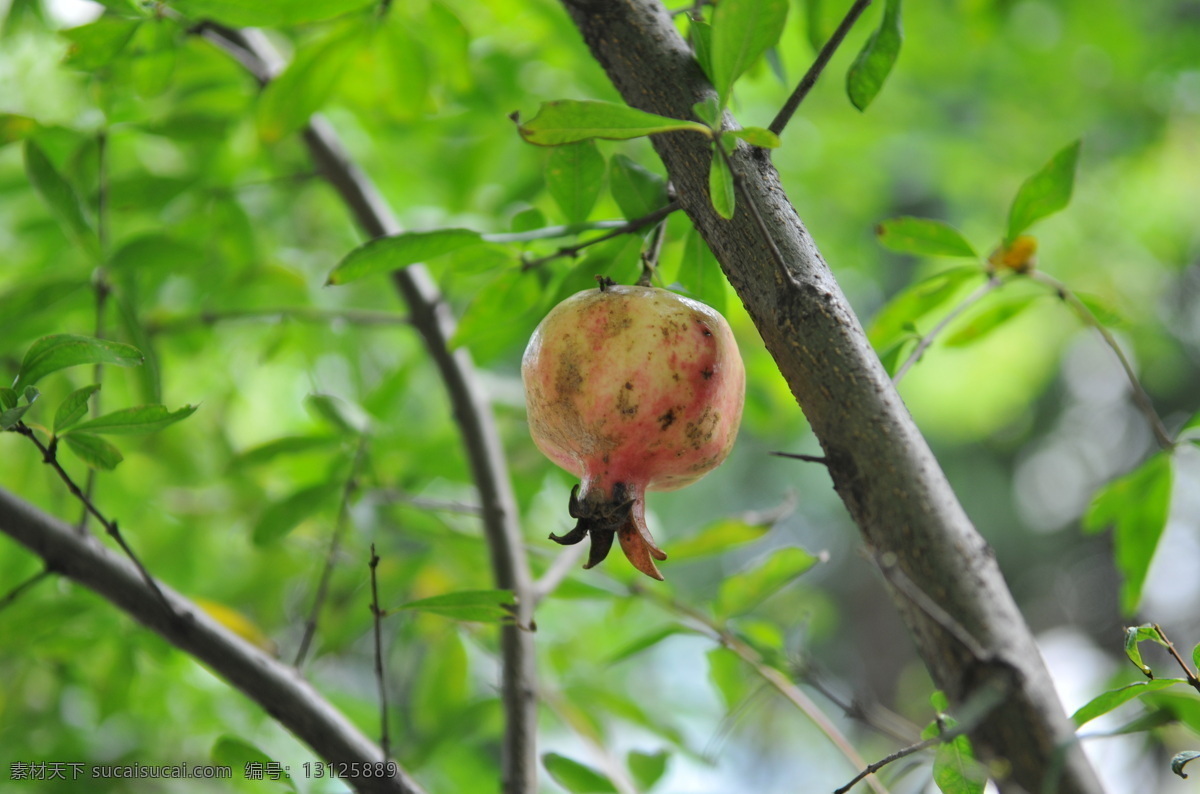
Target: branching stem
point(984, 290)
point(627, 228)
point(1192, 679)
point(20, 589)
point(377, 614)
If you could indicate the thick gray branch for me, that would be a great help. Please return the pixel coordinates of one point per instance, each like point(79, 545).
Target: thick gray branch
point(279, 689)
point(880, 464)
point(431, 316)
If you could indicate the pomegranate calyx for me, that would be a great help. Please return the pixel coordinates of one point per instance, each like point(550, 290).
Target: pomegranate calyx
point(603, 518)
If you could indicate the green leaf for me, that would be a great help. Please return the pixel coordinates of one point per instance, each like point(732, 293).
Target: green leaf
point(10, 416)
point(15, 128)
point(637, 191)
point(575, 777)
point(708, 110)
point(235, 753)
point(571, 121)
point(501, 317)
point(1134, 635)
point(876, 59)
point(1044, 193)
point(62, 199)
point(134, 421)
point(72, 409)
point(1181, 760)
point(895, 356)
point(700, 274)
point(1196, 656)
point(96, 44)
point(988, 320)
point(283, 516)
point(303, 88)
point(267, 13)
point(94, 451)
point(721, 187)
point(647, 768)
point(898, 316)
point(742, 30)
point(573, 177)
point(343, 416)
point(1136, 506)
point(8, 398)
point(645, 642)
point(717, 538)
point(744, 591)
point(727, 675)
point(757, 136)
point(476, 606)
point(813, 28)
point(149, 374)
point(1107, 701)
point(385, 254)
point(955, 770)
point(290, 445)
point(923, 236)
point(59, 351)
point(700, 35)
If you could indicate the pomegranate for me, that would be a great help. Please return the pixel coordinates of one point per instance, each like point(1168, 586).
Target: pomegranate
point(631, 389)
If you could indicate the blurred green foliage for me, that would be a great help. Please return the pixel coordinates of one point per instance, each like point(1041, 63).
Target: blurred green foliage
point(140, 163)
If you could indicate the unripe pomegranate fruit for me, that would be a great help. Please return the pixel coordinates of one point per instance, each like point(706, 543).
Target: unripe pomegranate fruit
point(631, 389)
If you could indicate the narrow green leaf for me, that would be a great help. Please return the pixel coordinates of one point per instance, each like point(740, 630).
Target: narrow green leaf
point(15, 128)
point(813, 28)
point(727, 675)
point(647, 768)
point(72, 409)
point(303, 88)
point(385, 254)
point(343, 416)
point(573, 177)
point(476, 606)
point(1196, 656)
point(1107, 701)
point(645, 642)
point(1136, 506)
point(96, 44)
point(637, 191)
point(8, 398)
point(571, 121)
point(700, 35)
point(575, 777)
point(720, 187)
point(283, 516)
point(744, 591)
point(1044, 193)
point(717, 538)
point(708, 110)
point(955, 770)
point(988, 320)
point(134, 421)
point(700, 274)
point(267, 13)
point(289, 445)
point(31, 394)
point(59, 351)
point(757, 136)
point(923, 236)
point(149, 375)
point(10, 416)
point(1183, 759)
point(742, 30)
point(61, 198)
point(1134, 635)
point(876, 59)
point(94, 451)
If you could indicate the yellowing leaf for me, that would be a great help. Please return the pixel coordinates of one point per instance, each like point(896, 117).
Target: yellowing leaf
point(238, 623)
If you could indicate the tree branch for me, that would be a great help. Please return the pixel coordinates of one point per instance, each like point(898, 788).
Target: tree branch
point(431, 316)
point(263, 679)
point(880, 464)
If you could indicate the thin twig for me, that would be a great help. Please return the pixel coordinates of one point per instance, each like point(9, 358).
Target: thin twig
point(769, 674)
point(377, 613)
point(20, 589)
point(626, 228)
point(873, 715)
point(810, 77)
point(986, 288)
point(101, 287)
point(50, 457)
point(1140, 397)
point(888, 566)
point(306, 314)
point(739, 185)
point(559, 570)
point(550, 232)
point(392, 496)
point(650, 257)
point(335, 542)
point(1192, 679)
point(798, 456)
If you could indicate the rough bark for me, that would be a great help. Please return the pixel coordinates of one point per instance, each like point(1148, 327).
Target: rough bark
point(942, 574)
